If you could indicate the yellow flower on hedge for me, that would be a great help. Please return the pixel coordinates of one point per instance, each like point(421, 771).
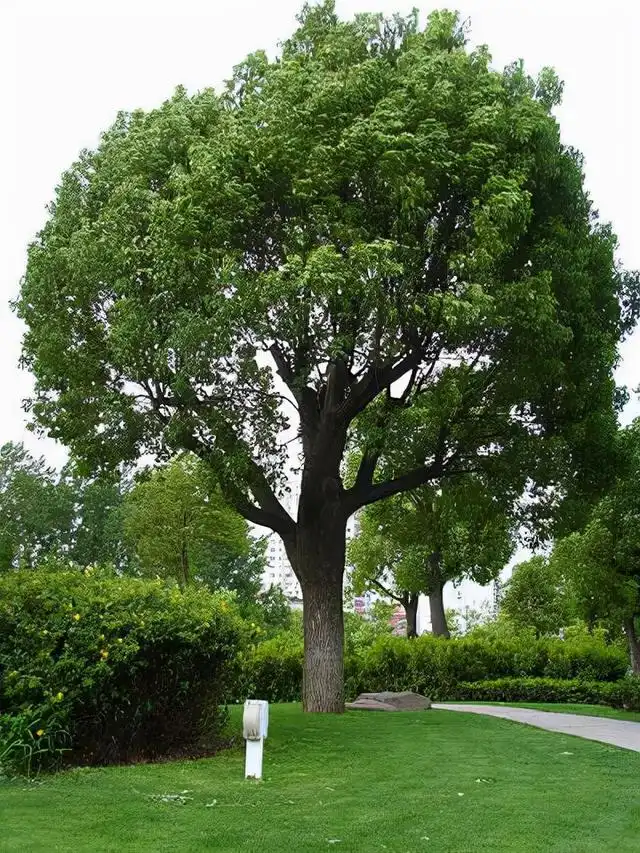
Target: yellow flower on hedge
point(104, 654)
point(76, 616)
point(40, 732)
point(59, 696)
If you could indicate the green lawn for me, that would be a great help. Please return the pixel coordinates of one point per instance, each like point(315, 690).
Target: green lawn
point(433, 781)
point(562, 708)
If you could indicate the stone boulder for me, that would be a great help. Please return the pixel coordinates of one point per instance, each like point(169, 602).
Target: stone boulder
point(389, 701)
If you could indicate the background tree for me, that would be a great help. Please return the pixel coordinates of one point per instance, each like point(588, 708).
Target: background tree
point(535, 597)
point(416, 543)
point(36, 509)
point(98, 534)
point(601, 565)
point(180, 526)
point(374, 216)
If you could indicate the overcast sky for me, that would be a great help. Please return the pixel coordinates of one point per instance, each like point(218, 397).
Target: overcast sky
point(67, 67)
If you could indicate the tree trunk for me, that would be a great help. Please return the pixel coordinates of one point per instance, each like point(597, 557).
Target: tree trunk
point(439, 626)
point(634, 645)
point(410, 605)
point(319, 565)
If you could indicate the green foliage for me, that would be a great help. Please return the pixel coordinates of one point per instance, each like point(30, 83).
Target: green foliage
point(379, 217)
point(271, 610)
point(98, 536)
point(273, 670)
point(36, 509)
point(375, 660)
point(377, 199)
point(181, 527)
point(602, 564)
point(236, 566)
point(415, 543)
point(43, 513)
point(618, 694)
point(108, 668)
point(534, 597)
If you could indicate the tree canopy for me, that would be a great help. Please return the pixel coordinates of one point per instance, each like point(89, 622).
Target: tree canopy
point(535, 598)
point(374, 231)
point(37, 511)
point(601, 564)
point(180, 526)
point(417, 542)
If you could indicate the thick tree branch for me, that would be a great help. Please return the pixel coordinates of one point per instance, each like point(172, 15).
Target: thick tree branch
point(366, 469)
point(375, 380)
point(269, 512)
point(357, 498)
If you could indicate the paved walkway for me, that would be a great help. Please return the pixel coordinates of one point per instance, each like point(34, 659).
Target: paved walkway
point(623, 733)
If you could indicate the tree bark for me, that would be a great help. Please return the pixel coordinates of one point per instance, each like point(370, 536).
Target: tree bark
point(439, 626)
point(634, 645)
point(319, 564)
point(410, 605)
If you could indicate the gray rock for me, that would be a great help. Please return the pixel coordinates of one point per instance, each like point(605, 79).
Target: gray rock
point(389, 701)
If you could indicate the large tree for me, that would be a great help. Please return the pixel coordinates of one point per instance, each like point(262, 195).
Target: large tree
point(415, 543)
point(375, 219)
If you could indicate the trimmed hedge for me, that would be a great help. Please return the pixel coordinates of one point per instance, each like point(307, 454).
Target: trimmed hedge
point(618, 694)
point(433, 666)
point(99, 669)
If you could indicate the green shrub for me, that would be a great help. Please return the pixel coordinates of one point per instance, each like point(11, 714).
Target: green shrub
point(109, 668)
point(432, 665)
point(272, 670)
point(624, 693)
point(534, 690)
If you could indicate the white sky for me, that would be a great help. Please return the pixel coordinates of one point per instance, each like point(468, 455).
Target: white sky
point(67, 67)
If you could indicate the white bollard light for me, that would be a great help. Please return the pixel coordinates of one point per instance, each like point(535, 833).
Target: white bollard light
point(255, 723)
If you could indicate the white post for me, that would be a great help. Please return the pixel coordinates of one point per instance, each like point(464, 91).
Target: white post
point(255, 723)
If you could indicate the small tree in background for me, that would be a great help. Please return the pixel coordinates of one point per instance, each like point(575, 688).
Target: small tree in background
point(534, 597)
point(601, 565)
point(37, 509)
point(414, 544)
point(179, 524)
point(374, 223)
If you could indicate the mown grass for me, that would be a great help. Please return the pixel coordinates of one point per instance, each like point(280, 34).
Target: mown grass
point(433, 781)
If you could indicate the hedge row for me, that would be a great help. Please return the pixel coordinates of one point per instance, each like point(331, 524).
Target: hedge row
point(108, 669)
point(433, 666)
point(618, 694)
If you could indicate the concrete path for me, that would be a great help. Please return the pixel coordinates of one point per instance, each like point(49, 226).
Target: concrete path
point(623, 733)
